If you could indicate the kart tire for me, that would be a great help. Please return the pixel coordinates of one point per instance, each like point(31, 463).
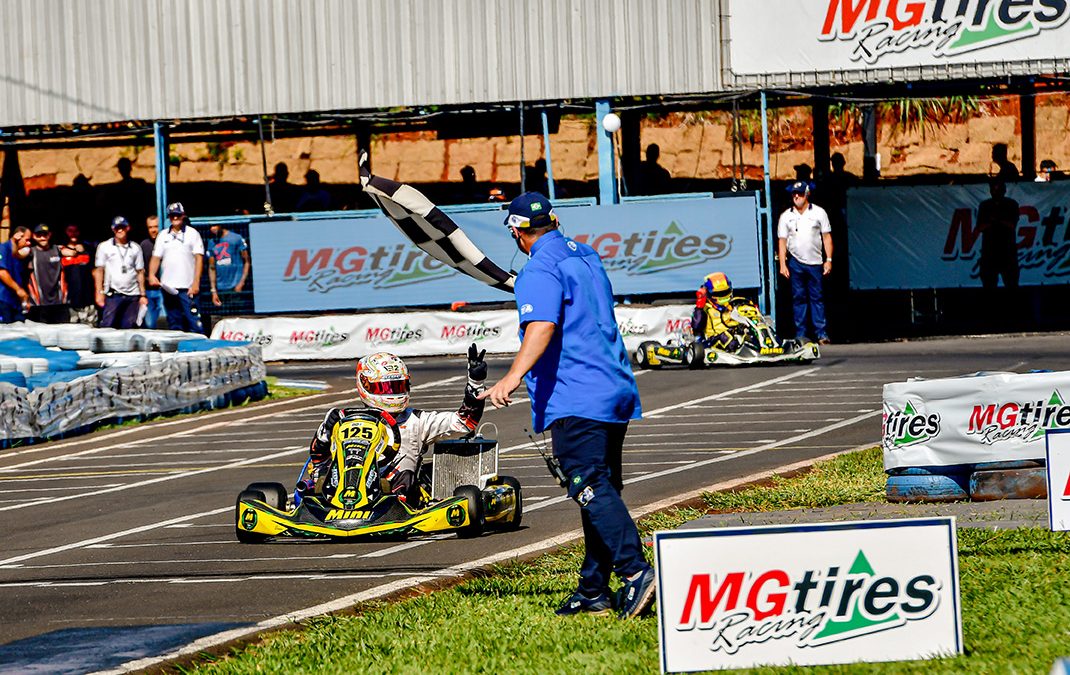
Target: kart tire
point(275, 494)
point(243, 535)
point(928, 488)
point(475, 511)
point(949, 470)
point(641, 356)
point(986, 486)
point(518, 512)
point(695, 356)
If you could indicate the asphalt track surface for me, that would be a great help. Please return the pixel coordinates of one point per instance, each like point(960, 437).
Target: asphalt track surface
point(123, 541)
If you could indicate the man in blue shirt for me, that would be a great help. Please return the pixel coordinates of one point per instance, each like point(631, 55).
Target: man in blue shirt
point(13, 294)
point(228, 263)
point(581, 387)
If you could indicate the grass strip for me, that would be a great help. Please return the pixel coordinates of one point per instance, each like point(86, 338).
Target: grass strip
point(1015, 597)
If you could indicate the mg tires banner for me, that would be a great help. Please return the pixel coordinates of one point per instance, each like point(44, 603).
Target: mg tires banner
point(422, 333)
point(928, 237)
point(807, 594)
point(838, 35)
point(967, 420)
point(364, 262)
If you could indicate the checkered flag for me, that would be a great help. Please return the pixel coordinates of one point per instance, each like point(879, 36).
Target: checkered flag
point(431, 229)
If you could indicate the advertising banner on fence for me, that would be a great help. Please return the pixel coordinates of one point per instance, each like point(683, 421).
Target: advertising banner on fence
point(995, 417)
point(1058, 468)
point(807, 594)
point(836, 35)
point(928, 236)
point(352, 336)
point(649, 247)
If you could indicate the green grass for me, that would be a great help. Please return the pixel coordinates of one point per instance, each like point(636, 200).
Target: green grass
point(1015, 598)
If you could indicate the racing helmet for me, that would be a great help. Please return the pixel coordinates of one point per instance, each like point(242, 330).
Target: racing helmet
point(383, 382)
point(718, 286)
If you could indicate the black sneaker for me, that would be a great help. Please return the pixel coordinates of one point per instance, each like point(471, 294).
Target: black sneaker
point(581, 604)
point(636, 594)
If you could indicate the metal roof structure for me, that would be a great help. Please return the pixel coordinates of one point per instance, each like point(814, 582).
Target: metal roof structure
point(71, 62)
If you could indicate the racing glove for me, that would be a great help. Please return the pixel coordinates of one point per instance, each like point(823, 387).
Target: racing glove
point(477, 366)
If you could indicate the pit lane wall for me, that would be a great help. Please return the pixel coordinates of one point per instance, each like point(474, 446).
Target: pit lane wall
point(351, 336)
point(987, 417)
point(183, 382)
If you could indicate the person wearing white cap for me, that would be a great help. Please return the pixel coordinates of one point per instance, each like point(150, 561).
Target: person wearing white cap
point(804, 233)
point(120, 278)
point(179, 251)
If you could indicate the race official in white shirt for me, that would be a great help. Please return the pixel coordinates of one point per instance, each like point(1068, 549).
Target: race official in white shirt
point(805, 247)
point(180, 252)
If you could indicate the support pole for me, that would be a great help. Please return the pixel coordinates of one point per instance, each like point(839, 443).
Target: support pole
point(607, 174)
point(822, 145)
point(768, 292)
point(269, 207)
point(1027, 105)
point(549, 158)
point(870, 171)
point(159, 140)
point(523, 169)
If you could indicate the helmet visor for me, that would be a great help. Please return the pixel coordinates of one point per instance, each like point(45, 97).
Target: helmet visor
point(384, 387)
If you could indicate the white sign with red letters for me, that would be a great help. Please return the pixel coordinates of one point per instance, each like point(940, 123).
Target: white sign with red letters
point(810, 594)
point(1058, 467)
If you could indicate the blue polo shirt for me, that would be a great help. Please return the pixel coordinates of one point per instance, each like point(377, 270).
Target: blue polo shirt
point(585, 371)
point(226, 251)
point(13, 265)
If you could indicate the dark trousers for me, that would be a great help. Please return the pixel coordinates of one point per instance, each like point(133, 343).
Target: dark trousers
point(120, 311)
point(807, 300)
point(991, 269)
point(11, 313)
point(182, 312)
point(155, 306)
point(590, 454)
point(50, 313)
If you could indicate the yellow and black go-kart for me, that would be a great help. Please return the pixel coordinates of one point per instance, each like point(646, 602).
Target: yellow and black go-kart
point(352, 499)
point(758, 344)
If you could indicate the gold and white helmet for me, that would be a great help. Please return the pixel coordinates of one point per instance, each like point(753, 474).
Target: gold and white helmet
point(383, 382)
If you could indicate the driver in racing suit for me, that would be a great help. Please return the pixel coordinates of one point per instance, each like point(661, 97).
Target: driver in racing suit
point(383, 384)
point(711, 322)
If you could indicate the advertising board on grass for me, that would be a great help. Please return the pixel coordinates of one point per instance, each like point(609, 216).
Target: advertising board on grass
point(987, 417)
point(808, 594)
point(1058, 469)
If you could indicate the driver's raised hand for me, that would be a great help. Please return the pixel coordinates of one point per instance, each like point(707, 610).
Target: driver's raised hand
point(477, 366)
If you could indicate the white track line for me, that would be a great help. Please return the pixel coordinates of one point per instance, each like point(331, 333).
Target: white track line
point(730, 392)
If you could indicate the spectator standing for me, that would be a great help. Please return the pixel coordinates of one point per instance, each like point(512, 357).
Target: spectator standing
point(1047, 171)
point(469, 192)
point(654, 179)
point(997, 219)
point(313, 197)
point(120, 278)
point(13, 295)
point(47, 288)
point(1006, 170)
point(283, 197)
point(228, 263)
point(180, 251)
point(78, 260)
point(802, 232)
point(581, 387)
point(152, 291)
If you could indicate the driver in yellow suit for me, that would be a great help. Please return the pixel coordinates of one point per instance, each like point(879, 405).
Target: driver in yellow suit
point(711, 322)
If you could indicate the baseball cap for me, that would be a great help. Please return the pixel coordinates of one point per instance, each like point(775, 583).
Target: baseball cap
point(799, 187)
point(530, 209)
point(175, 209)
point(42, 229)
point(119, 221)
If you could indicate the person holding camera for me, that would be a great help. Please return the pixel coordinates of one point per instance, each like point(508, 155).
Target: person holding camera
point(120, 278)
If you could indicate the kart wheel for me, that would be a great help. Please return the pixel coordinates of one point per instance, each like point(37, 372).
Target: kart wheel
point(695, 356)
point(642, 355)
point(518, 511)
point(245, 536)
point(475, 511)
point(275, 494)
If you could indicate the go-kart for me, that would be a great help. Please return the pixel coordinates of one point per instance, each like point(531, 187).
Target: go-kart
point(351, 499)
point(758, 344)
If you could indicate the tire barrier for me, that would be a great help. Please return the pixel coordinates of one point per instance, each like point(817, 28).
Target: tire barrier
point(47, 393)
point(1027, 483)
point(927, 487)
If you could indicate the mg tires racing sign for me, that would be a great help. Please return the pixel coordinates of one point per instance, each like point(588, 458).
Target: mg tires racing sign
point(1058, 467)
point(995, 417)
point(838, 35)
point(808, 594)
point(928, 236)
